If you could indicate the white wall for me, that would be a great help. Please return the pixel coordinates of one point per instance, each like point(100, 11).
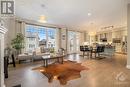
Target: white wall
point(57, 39)
point(10, 25)
point(82, 38)
point(63, 38)
point(128, 39)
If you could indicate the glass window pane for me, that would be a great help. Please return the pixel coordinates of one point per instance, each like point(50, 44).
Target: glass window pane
point(35, 37)
point(51, 37)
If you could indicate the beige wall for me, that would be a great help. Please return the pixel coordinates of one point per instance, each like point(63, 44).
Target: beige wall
point(63, 38)
point(128, 39)
point(82, 38)
point(57, 39)
point(13, 27)
point(10, 25)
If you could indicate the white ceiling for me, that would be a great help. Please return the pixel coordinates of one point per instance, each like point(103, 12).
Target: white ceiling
point(75, 12)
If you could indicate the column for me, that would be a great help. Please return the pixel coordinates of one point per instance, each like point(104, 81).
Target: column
point(128, 41)
point(2, 32)
point(63, 38)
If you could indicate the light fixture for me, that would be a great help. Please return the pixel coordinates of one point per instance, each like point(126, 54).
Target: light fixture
point(108, 27)
point(43, 5)
point(92, 33)
point(42, 19)
point(89, 14)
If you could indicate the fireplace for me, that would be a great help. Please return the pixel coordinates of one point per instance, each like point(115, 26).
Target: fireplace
point(3, 30)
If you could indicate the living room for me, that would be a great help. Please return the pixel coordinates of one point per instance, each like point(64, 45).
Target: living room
point(65, 43)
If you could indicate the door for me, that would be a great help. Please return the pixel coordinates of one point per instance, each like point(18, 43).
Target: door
point(73, 42)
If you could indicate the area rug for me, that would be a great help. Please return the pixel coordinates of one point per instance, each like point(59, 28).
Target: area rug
point(69, 70)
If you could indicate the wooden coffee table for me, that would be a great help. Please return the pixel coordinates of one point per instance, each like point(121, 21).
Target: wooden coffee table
point(57, 57)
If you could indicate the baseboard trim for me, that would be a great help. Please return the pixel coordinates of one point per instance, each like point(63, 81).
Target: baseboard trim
point(128, 66)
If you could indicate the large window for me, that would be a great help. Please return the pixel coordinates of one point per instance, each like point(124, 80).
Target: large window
point(51, 33)
point(37, 36)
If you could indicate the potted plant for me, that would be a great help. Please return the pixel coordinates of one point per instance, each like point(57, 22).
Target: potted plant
point(18, 43)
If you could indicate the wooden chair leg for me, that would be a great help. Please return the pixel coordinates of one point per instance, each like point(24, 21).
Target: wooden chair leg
point(83, 53)
point(7, 60)
point(98, 54)
point(13, 61)
point(5, 67)
point(19, 61)
point(95, 55)
point(91, 55)
point(87, 54)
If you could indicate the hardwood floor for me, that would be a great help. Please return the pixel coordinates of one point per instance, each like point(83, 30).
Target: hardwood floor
point(108, 72)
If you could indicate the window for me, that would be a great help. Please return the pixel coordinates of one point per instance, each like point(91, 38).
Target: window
point(35, 37)
point(38, 36)
point(31, 45)
point(51, 37)
point(31, 39)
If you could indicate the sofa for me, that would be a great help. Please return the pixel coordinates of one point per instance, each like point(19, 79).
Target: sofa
point(25, 56)
point(35, 55)
point(38, 53)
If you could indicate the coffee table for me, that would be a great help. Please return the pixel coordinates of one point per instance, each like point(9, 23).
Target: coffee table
point(57, 57)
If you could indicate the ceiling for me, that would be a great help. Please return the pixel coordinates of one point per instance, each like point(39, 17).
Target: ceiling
point(74, 13)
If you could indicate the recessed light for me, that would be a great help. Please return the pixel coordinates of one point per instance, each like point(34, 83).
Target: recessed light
point(42, 19)
point(42, 5)
point(89, 14)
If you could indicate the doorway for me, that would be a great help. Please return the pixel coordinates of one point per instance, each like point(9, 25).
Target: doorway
point(73, 42)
